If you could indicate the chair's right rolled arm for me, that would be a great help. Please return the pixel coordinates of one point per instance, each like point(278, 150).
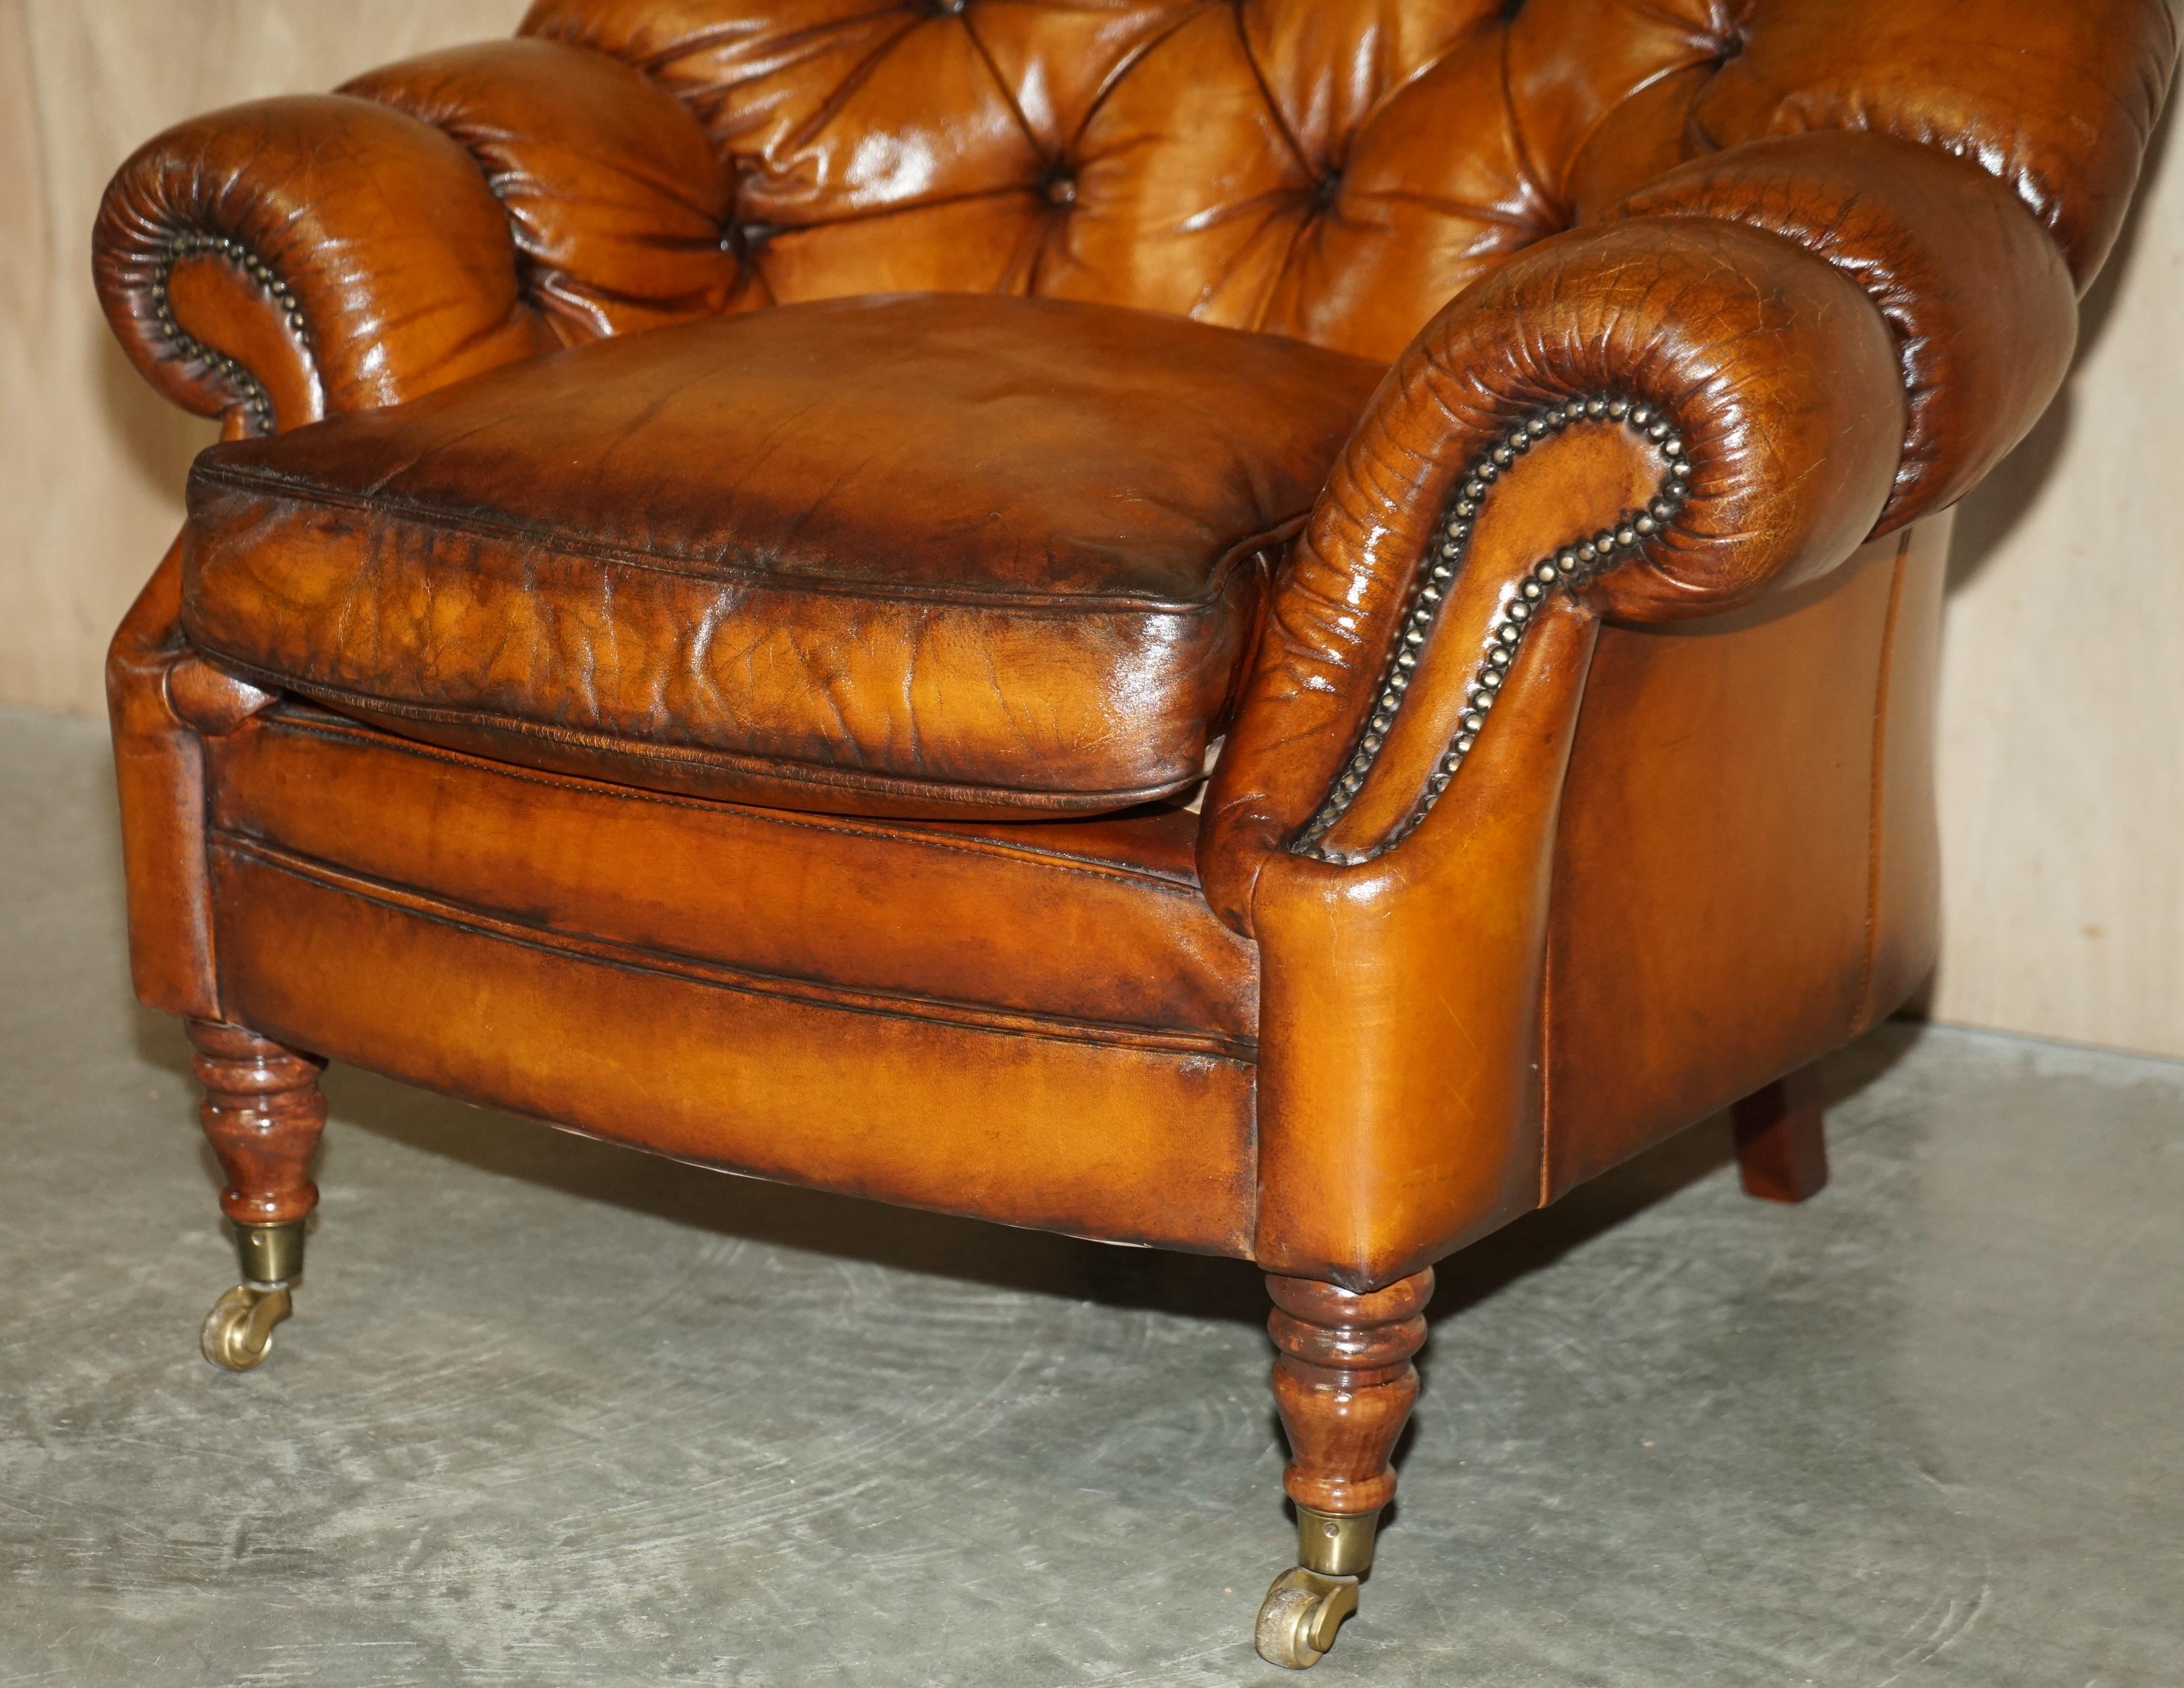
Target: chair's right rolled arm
point(1729, 403)
point(1766, 357)
point(1808, 317)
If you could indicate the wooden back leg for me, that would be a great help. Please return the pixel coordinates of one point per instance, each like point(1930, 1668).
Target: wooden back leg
point(1782, 1140)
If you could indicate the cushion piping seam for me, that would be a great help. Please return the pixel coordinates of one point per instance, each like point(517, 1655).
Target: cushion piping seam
point(749, 765)
point(872, 826)
point(300, 495)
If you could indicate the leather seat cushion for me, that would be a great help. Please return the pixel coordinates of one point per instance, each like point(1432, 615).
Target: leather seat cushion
point(901, 556)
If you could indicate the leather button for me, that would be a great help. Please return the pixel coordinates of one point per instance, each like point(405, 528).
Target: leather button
point(1059, 186)
point(746, 240)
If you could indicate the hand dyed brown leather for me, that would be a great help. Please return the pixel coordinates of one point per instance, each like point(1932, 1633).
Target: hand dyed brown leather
point(817, 557)
point(798, 490)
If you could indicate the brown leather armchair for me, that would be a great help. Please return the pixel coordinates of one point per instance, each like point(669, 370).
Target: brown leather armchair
point(743, 526)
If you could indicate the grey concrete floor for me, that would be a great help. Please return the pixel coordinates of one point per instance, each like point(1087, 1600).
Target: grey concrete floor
point(553, 1412)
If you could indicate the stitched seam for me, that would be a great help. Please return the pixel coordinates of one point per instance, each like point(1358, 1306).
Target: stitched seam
point(1130, 61)
point(980, 849)
point(1547, 1058)
point(1000, 84)
point(753, 766)
point(296, 493)
point(1526, 162)
point(888, 1005)
point(1607, 111)
point(206, 786)
point(1862, 1005)
point(1266, 93)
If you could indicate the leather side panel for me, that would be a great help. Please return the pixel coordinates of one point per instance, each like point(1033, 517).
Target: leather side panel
point(1714, 887)
point(1906, 917)
point(158, 765)
point(1127, 1144)
point(1399, 1116)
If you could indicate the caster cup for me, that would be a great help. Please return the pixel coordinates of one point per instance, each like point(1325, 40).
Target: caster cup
point(1306, 1607)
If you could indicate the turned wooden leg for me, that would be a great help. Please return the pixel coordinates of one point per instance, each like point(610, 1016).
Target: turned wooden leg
point(1782, 1140)
point(1344, 1385)
point(262, 1113)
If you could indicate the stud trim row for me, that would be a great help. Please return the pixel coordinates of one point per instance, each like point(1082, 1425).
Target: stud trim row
point(1565, 571)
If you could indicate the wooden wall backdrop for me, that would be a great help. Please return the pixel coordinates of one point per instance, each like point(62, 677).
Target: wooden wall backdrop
point(2062, 694)
point(92, 461)
point(2063, 681)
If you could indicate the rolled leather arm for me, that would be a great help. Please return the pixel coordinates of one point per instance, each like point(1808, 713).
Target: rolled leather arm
point(295, 258)
point(1741, 403)
point(619, 206)
point(1659, 418)
point(1975, 293)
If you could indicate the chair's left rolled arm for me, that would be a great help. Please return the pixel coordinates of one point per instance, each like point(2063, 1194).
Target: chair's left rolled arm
point(293, 258)
point(296, 257)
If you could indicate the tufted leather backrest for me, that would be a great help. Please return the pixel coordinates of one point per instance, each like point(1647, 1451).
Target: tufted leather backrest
point(1334, 170)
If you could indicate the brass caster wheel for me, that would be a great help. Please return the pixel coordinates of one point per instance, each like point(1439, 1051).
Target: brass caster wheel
point(238, 1331)
point(1299, 1616)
